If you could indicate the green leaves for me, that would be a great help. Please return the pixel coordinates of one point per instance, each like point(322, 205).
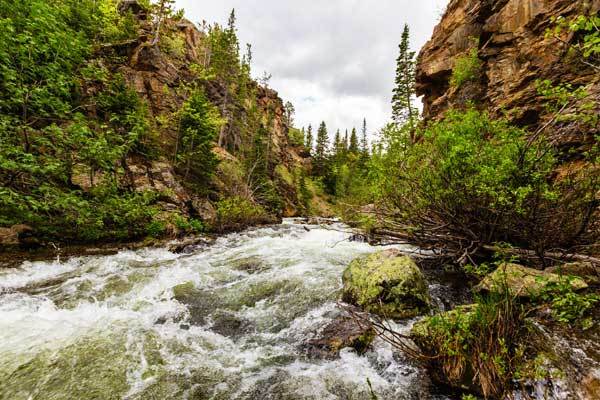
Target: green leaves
point(199, 124)
point(467, 68)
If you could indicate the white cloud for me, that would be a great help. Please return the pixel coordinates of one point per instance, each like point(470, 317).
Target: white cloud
point(335, 59)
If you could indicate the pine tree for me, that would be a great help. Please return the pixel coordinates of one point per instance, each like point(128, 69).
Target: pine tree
point(346, 141)
point(163, 9)
point(364, 145)
point(353, 147)
point(289, 112)
point(403, 109)
point(337, 143)
point(321, 150)
point(309, 139)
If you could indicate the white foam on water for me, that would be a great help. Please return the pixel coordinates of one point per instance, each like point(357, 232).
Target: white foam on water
point(131, 293)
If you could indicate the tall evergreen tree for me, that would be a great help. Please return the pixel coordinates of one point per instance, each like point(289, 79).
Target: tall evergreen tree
point(353, 147)
point(403, 108)
point(321, 151)
point(337, 142)
point(346, 141)
point(309, 139)
point(364, 145)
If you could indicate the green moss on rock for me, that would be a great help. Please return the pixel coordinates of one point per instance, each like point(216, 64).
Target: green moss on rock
point(387, 284)
point(522, 281)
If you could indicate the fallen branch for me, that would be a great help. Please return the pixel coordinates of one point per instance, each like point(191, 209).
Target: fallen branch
point(549, 255)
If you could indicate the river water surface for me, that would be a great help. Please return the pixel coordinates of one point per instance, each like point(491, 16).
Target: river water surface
point(223, 322)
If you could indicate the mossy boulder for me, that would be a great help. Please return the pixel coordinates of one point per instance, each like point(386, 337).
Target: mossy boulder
point(388, 284)
point(524, 282)
point(436, 337)
point(587, 271)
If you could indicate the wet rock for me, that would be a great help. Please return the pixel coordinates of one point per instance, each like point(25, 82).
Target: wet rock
point(250, 265)
point(522, 281)
point(200, 303)
point(359, 238)
point(189, 245)
point(228, 324)
point(386, 283)
point(340, 333)
point(17, 236)
point(584, 270)
point(563, 362)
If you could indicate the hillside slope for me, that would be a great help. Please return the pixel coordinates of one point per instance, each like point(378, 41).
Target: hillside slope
point(143, 125)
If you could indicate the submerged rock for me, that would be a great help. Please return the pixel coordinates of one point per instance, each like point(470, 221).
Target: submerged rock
point(340, 333)
point(229, 324)
point(522, 281)
point(387, 284)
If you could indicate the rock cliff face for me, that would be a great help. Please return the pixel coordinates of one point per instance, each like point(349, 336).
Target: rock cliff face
point(514, 51)
point(160, 78)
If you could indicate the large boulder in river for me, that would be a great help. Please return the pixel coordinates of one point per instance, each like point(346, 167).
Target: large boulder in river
point(524, 282)
point(388, 284)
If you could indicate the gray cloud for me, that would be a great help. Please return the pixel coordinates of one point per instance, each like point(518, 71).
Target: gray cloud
point(333, 59)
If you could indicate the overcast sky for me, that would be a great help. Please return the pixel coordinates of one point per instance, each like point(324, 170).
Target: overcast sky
point(333, 59)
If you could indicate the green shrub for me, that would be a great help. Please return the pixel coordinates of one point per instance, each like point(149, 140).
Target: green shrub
point(478, 347)
point(238, 212)
point(467, 68)
point(568, 306)
point(484, 182)
point(156, 228)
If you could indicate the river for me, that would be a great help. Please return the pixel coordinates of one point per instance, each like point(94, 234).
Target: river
point(111, 327)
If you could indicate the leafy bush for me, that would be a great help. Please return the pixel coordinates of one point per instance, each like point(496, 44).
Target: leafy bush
point(238, 212)
point(483, 181)
point(568, 306)
point(467, 68)
point(48, 147)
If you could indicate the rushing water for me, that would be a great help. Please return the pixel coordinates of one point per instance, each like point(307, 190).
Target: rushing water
point(111, 327)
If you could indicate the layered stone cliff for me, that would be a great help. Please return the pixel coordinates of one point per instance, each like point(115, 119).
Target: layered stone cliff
point(161, 79)
point(511, 41)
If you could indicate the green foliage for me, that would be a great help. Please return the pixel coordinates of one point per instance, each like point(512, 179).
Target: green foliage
point(309, 139)
point(587, 36)
point(238, 212)
point(304, 195)
point(467, 68)
point(477, 346)
point(296, 137)
point(321, 151)
point(577, 101)
point(199, 122)
point(59, 169)
point(483, 179)
point(156, 228)
point(403, 102)
point(568, 306)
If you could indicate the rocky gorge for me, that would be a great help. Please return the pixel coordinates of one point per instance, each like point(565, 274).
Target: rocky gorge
point(147, 249)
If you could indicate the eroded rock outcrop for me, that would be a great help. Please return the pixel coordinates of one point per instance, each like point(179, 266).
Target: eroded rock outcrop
point(511, 42)
point(161, 76)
